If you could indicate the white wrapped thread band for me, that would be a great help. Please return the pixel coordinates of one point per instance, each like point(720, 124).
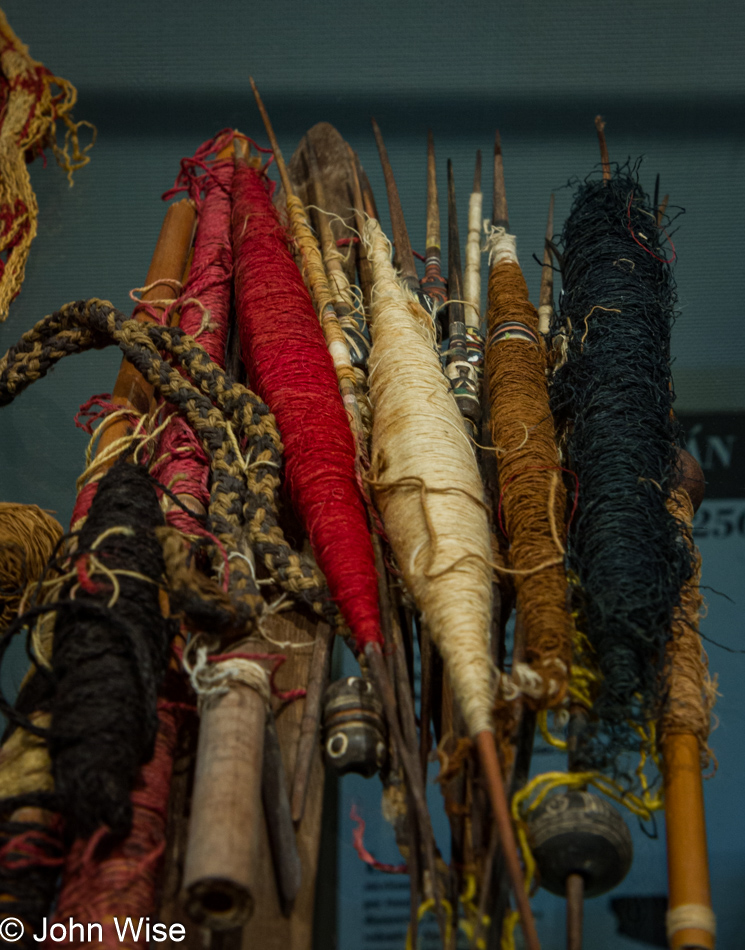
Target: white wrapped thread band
point(690, 917)
point(213, 680)
point(499, 245)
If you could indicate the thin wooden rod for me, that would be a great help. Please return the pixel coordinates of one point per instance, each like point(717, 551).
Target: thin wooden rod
point(168, 264)
point(500, 214)
point(455, 270)
point(546, 297)
point(433, 208)
point(477, 173)
point(575, 892)
point(487, 751)
point(605, 161)
point(404, 254)
point(281, 167)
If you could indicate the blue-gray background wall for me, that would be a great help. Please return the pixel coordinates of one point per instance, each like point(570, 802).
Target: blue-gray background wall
point(158, 78)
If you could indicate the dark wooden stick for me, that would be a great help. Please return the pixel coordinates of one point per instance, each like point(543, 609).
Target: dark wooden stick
point(605, 161)
point(432, 242)
point(546, 297)
point(379, 672)
point(487, 751)
point(364, 266)
point(662, 209)
point(404, 255)
point(425, 687)
point(268, 928)
point(320, 668)
point(500, 216)
point(575, 899)
point(279, 820)
point(368, 197)
point(455, 270)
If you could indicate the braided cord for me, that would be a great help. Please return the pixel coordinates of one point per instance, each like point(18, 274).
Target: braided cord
point(228, 418)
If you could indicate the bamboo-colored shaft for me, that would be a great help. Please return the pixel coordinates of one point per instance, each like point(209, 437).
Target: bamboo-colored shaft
point(226, 811)
point(169, 259)
point(687, 860)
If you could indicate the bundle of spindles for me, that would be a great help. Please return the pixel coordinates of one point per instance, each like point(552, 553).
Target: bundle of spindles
point(371, 643)
point(396, 515)
point(428, 490)
point(289, 363)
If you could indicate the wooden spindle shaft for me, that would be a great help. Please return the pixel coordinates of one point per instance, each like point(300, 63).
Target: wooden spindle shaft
point(546, 298)
point(488, 757)
point(500, 214)
point(320, 669)
point(404, 256)
point(168, 263)
point(575, 906)
point(604, 159)
point(687, 857)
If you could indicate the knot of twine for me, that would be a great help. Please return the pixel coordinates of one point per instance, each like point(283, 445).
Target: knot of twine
point(526, 681)
point(214, 679)
point(499, 245)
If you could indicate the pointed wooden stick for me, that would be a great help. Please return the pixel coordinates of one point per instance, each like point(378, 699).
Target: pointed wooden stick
point(433, 208)
point(364, 266)
point(433, 284)
point(315, 276)
point(500, 216)
point(662, 209)
point(455, 271)
point(320, 668)
point(487, 750)
point(368, 197)
point(472, 273)
point(278, 816)
point(408, 757)
point(404, 254)
point(600, 126)
point(546, 298)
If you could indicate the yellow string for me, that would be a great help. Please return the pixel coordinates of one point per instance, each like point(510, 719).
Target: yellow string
point(470, 907)
point(546, 734)
point(427, 907)
point(467, 926)
point(509, 923)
